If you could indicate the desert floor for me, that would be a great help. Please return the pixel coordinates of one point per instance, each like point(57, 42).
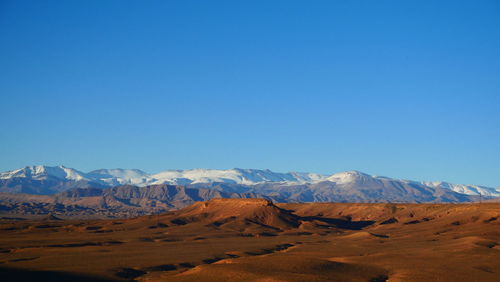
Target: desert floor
point(253, 239)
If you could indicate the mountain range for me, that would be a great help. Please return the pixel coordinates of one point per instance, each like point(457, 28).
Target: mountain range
point(35, 190)
point(47, 180)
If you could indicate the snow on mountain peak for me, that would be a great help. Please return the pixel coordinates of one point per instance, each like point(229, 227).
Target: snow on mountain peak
point(347, 177)
point(120, 176)
point(235, 175)
point(115, 177)
point(465, 189)
point(43, 172)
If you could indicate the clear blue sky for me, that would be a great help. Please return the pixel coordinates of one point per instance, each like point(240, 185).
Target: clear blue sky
point(407, 89)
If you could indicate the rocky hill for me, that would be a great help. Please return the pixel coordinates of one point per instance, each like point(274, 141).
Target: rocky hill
point(120, 201)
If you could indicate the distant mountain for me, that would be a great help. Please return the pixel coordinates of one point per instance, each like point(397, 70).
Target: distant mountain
point(465, 189)
point(119, 201)
point(344, 186)
point(235, 175)
point(49, 180)
point(129, 200)
point(46, 180)
point(41, 172)
point(359, 187)
point(118, 176)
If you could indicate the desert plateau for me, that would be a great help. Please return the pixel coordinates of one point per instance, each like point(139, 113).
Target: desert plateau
point(256, 240)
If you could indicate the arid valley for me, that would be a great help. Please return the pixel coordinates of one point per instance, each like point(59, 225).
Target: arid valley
point(264, 141)
point(256, 240)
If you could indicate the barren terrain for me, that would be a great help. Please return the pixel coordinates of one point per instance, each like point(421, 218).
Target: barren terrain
point(254, 239)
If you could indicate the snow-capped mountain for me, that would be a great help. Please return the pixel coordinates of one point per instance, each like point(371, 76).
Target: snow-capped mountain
point(466, 189)
point(234, 176)
point(33, 179)
point(349, 177)
point(118, 176)
point(41, 172)
point(48, 180)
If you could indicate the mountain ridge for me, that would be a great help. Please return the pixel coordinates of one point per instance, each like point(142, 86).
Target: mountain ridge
point(117, 201)
point(54, 179)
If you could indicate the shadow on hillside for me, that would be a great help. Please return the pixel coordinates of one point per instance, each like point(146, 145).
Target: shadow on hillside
point(15, 275)
point(340, 223)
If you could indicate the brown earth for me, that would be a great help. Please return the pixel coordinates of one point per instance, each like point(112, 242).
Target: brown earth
point(253, 239)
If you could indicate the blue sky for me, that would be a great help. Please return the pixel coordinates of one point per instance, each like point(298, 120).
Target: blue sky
point(407, 89)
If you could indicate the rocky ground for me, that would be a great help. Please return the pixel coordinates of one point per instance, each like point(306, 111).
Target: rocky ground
point(254, 239)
